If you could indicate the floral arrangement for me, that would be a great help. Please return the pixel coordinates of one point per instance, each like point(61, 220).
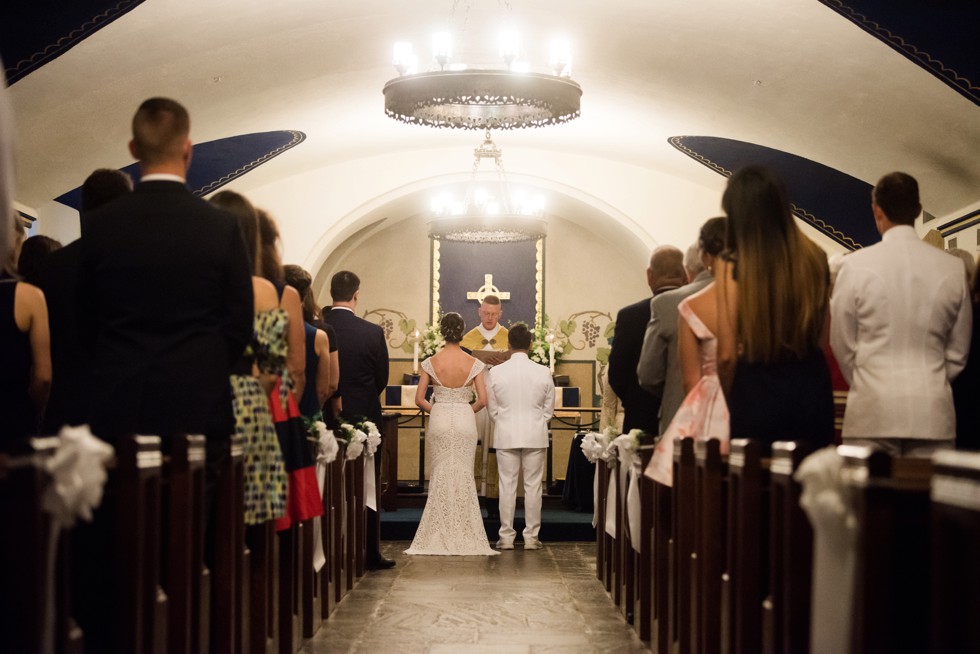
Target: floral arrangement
point(325, 442)
point(359, 437)
point(597, 445)
point(431, 341)
point(540, 346)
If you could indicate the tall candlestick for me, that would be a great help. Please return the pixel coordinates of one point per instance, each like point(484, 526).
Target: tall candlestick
point(551, 352)
point(415, 355)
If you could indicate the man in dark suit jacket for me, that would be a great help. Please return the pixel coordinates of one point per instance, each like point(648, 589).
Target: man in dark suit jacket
point(166, 281)
point(71, 358)
point(641, 409)
point(363, 376)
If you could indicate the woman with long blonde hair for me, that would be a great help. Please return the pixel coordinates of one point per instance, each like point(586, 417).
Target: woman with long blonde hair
point(773, 300)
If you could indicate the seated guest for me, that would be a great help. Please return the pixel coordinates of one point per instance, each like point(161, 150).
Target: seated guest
point(902, 321)
point(253, 378)
point(322, 361)
point(33, 255)
point(772, 311)
point(25, 375)
point(70, 358)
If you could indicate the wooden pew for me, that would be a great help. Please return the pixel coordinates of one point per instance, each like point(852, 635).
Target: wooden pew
point(338, 568)
point(682, 546)
point(891, 574)
point(263, 586)
point(661, 551)
point(228, 591)
point(955, 566)
point(24, 609)
point(786, 609)
point(604, 542)
point(708, 562)
point(183, 558)
point(388, 481)
point(747, 559)
point(643, 611)
point(618, 553)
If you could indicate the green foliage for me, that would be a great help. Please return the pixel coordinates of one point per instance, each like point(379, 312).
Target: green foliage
point(602, 355)
point(609, 331)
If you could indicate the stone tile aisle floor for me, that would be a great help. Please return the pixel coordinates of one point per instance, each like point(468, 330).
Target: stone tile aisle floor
point(520, 602)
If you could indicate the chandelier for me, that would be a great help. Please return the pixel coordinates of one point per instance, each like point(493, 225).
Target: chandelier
point(487, 215)
point(459, 97)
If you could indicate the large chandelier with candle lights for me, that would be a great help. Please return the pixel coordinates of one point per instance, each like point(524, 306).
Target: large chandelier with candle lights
point(457, 95)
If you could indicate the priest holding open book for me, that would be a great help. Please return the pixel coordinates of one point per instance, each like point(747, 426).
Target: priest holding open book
point(488, 340)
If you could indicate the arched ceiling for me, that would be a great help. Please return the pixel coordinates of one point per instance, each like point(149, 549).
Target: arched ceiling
point(792, 75)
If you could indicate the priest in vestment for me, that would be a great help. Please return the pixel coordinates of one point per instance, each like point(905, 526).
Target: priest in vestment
point(488, 343)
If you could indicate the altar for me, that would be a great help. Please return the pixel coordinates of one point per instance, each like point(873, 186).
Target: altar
point(569, 418)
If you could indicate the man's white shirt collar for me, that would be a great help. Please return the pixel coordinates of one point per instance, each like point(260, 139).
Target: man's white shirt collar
point(162, 177)
point(344, 308)
point(900, 231)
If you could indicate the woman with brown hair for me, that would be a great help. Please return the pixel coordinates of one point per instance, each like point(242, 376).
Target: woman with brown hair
point(773, 295)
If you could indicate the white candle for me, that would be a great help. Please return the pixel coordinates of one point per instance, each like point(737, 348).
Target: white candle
point(415, 355)
point(551, 352)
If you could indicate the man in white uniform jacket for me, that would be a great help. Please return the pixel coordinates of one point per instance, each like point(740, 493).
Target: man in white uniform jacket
point(521, 401)
point(900, 328)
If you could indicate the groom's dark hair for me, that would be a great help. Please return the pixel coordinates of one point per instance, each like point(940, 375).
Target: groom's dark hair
point(343, 285)
point(519, 337)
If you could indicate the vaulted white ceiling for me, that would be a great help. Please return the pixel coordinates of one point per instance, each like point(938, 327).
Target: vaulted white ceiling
point(787, 74)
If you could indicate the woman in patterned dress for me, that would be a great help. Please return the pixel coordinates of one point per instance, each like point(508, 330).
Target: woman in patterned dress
point(253, 379)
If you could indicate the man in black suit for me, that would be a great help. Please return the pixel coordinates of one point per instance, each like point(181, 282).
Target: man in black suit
point(363, 376)
point(70, 358)
point(641, 409)
point(166, 282)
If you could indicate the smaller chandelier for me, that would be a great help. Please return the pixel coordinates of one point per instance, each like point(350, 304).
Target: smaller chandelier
point(463, 98)
point(488, 215)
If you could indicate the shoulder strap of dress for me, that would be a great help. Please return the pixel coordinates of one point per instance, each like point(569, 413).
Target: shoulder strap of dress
point(427, 367)
point(698, 327)
point(477, 368)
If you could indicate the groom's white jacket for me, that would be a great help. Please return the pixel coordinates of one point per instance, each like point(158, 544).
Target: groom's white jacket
point(521, 399)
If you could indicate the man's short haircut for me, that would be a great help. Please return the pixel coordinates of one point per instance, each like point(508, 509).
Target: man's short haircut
point(343, 285)
point(692, 260)
point(897, 194)
point(519, 336)
point(103, 186)
point(490, 299)
point(667, 263)
point(160, 129)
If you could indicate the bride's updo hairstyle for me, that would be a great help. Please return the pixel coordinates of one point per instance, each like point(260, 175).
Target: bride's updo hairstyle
point(452, 327)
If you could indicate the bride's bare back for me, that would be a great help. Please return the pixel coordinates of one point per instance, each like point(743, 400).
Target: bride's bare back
point(452, 366)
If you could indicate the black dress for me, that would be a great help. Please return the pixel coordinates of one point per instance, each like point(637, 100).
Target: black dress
point(19, 419)
point(786, 401)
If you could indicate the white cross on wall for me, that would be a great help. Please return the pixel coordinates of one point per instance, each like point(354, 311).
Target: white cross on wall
point(487, 289)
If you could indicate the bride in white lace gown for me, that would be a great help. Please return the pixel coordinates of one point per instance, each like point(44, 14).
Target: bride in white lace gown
point(451, 522)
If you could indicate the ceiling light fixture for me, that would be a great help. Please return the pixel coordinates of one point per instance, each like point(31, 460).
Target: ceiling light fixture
point(488, 214)
point(459, 97)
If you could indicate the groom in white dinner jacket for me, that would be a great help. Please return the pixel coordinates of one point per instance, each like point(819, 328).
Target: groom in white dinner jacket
point(521, 401)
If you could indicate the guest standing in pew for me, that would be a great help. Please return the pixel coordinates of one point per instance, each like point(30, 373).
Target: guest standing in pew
point(253, 378)
point(322, 361)
point(363, 375)
point(703, 413)
point(966, 386)
point(164, 372)
point(641, 408)
point(71, 361)
point(659, 369)
point(902, 321)
point(303, 501)
point(25, 375)
point(33, 255)
point(166, 307)
point(772, 317)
